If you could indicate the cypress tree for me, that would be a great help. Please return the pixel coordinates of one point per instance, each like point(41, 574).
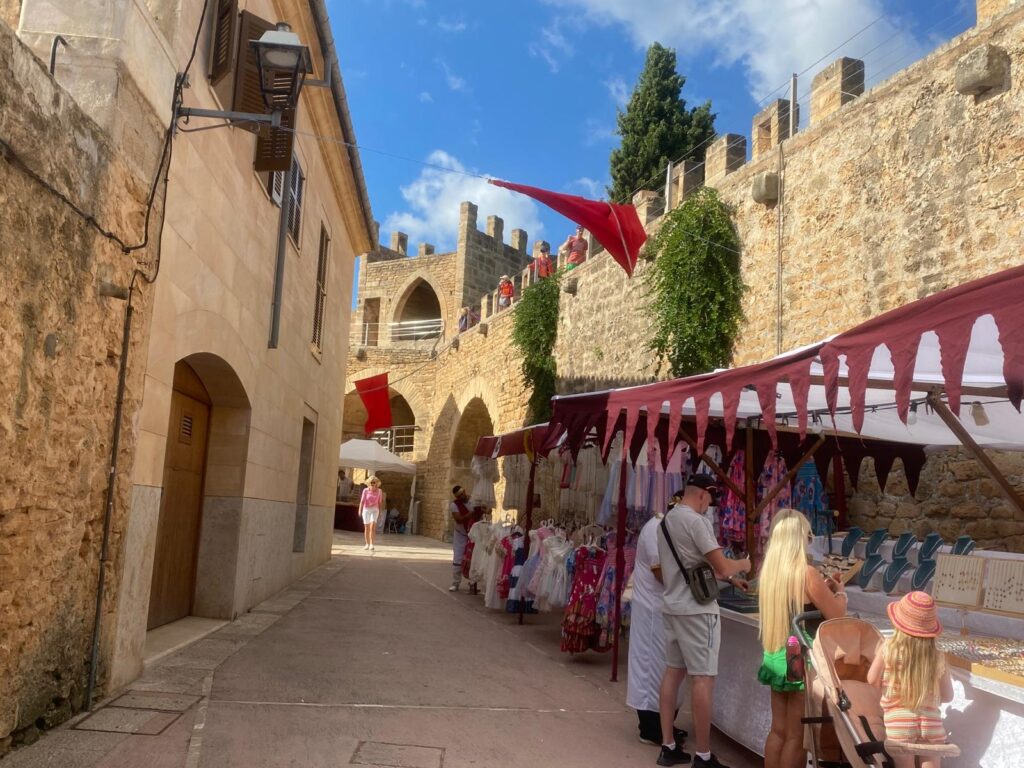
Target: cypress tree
point(657, 127)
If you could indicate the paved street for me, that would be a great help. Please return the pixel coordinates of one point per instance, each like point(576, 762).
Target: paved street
point(367, 661)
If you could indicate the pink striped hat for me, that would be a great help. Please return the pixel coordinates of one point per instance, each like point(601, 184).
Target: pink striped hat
point(915, 615)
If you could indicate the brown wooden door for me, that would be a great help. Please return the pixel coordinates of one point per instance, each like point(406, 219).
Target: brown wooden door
point(177, 535)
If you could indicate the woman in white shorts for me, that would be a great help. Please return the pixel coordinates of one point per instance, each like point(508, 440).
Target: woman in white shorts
point(370, 504)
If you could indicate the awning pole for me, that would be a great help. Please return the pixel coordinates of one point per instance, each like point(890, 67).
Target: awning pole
point(526, 536)
point(620, 561)
point(751, 492)
point(412, 503)
point(975, 450)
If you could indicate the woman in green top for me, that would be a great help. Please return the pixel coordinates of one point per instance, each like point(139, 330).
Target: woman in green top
point(788, 586)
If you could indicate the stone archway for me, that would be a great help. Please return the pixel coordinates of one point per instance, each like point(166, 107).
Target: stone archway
point(475, 421)
point(420, 299)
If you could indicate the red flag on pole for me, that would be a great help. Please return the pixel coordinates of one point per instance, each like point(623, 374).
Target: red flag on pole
point(373, 391)
point(616, 227)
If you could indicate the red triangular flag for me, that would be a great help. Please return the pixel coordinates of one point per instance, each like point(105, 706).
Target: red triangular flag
point(616, 227)
point(373, 391)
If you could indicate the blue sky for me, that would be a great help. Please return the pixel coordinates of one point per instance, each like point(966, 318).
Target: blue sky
point(527, 90)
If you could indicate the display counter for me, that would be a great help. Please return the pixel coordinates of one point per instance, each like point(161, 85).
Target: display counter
point(985, 718)
point(346, 516)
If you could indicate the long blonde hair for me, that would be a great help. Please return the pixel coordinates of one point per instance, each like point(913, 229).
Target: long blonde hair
point(783, 578)
point(914, 666)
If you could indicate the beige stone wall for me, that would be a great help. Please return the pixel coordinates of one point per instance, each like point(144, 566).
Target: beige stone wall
point(905, 191)
point(60, 348)
point(212, 309)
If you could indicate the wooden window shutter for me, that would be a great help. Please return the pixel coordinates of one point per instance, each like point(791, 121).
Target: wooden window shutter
point(247, 96)
point(222, 53)
point(295, 202)
point(274, 145)
point(277, 186)
point(320, 300)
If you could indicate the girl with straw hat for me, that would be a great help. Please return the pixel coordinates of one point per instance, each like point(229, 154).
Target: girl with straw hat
point(913, 676)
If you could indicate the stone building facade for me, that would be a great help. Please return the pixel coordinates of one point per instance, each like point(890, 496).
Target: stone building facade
point(227, 478)
point(887, 196)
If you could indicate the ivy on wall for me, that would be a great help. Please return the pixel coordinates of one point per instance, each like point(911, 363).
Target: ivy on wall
point(534, 330)
point(693, 288)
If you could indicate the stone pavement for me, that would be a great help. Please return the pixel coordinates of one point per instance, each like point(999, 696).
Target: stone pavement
point(367, 661)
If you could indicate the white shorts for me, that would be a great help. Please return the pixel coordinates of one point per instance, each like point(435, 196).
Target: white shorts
point(370, 515)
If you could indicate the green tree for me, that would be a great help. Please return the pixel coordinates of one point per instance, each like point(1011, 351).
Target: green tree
point(657, 127)
point(694, 289)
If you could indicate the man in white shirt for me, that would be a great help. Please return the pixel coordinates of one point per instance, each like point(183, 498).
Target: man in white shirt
point(692, 631)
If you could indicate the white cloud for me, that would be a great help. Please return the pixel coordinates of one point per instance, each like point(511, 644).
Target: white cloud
point(553, 46)
point(452, 27)
point(426, 97)
point(769, 39)
point(434, 198)
point(454, 82)
point(618, 90)
point(596, 132)
point(587, 187)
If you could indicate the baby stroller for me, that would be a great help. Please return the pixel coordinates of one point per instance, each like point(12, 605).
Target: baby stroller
point(845, 726)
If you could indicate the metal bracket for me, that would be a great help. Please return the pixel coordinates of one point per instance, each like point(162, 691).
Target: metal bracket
point(325, 83)
point(273, 119)
point(58, 40)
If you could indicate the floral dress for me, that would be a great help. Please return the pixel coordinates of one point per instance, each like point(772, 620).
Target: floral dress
point(579, 622)
point(732, 512)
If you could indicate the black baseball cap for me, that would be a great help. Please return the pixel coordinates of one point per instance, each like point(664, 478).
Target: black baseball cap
point(705, 483)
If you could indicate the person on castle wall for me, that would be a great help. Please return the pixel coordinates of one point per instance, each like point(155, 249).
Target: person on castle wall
point(463, 319)
point(542, 266)
point(506, 292)
point(576, 248)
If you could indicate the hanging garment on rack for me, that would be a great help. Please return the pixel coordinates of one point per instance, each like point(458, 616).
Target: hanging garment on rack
point(610, 501)
point(478, 535)
point(732, 510)
point(675, 474)
point(771, 475)
point(495, 563)
point(515, 582)
point(605, 613)
point(485, 472)
point(579, 627)
point(810, 498)
point(516, 470)
point(533, 561)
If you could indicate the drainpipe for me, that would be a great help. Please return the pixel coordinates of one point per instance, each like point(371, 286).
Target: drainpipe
point(282, 247)
point(108, 509)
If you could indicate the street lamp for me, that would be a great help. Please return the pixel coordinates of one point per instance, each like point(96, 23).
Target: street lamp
point(283, 63)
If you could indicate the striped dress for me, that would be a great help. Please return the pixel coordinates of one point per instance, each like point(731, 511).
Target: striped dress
point(904, 724)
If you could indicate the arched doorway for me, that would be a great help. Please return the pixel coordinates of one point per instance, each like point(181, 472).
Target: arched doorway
point(474, 423)
point(417, 314)
point(204, 473)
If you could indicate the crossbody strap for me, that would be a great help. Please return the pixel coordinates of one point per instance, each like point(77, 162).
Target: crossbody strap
point(672, 546)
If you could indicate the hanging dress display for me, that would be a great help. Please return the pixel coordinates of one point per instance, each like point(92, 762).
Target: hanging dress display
point(579, 625)
point(810, 498)
point(485, 474)
point(771, 475)
point(732, 510)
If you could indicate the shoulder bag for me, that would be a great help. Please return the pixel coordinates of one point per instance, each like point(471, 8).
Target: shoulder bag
point(700, 579)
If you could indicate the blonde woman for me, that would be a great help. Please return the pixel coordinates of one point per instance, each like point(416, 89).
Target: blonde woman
point(371, 502)
point(789, 585)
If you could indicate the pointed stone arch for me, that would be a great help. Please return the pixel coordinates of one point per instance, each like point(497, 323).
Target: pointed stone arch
point(413, 282)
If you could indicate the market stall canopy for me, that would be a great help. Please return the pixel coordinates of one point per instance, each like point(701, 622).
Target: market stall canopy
point(966, 343)
point(372, 456)
point(519, 441)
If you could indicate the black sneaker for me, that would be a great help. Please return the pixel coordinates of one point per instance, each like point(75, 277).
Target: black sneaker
point(712, 763)
point(674, 756)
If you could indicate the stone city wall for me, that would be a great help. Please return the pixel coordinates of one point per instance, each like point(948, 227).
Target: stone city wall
point(60, 348)
point(887, 196)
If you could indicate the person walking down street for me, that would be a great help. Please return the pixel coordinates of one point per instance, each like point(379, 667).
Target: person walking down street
point(788, 586)
point(506, 292)
point(542, 265)
point(371, 502)
point(647, 635)
point(463, 518)
point(576, 248)
point(692, 631)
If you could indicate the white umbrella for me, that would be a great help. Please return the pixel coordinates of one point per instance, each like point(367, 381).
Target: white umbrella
point(372, 456)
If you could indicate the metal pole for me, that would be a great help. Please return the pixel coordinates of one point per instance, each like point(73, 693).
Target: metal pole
point(526, 536)
point(108, 509)
point(668, 187)
point(792, 107)
point(412, 502)
point(620, 559)
point(282, 245)
point(751, 492)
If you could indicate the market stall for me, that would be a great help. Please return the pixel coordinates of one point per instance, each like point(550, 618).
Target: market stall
point(947, 370)
point(373, 457)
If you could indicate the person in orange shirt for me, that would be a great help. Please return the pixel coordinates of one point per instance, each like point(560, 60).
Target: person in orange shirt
point(576, 247)
point(506, 292)
point(542, 265)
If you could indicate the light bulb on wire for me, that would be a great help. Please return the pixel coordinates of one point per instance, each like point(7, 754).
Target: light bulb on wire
point(912, 416)
point(978, 414)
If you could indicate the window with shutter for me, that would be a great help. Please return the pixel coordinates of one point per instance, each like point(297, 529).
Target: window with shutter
point(295, 201)
point(222, 48)
point(320, 300)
